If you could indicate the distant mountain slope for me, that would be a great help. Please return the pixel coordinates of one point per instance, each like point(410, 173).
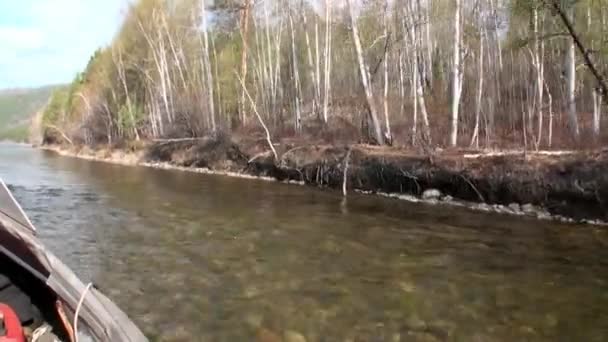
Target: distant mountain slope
point(17, 107)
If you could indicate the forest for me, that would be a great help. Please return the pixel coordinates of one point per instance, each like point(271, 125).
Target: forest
point(479, 74)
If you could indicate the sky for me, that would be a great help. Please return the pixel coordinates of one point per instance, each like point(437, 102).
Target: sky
point(46, 42)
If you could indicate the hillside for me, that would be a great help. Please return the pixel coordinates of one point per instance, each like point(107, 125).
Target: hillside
point(17, 107)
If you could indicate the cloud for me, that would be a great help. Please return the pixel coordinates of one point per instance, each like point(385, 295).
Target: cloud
point(49, 41)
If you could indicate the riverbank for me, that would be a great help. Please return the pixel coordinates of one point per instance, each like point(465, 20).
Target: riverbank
point(569, 186)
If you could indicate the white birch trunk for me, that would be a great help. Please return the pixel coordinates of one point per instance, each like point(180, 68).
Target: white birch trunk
point(371, 106)
point(455, 75)
point(207, 69)
point(387, 120)
point(475, 138)
point(597, 112)
point(314, 77)
point(571, 80)
point(327, 55)
point(296, 75)
point(539, 66)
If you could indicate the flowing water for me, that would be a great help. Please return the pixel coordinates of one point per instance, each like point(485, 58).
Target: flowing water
point(194, 257)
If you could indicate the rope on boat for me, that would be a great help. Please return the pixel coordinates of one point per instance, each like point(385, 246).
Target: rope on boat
point(77, 312)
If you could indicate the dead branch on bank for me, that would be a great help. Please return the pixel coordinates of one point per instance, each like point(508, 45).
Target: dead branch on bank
point(345, 175)
point(61, 132)
point(257, 114)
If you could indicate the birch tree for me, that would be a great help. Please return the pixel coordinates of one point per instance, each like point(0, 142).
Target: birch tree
point(570, 66)
point(456, 86)
point(363, 72)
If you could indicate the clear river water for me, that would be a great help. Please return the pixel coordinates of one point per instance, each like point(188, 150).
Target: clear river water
point(193, 257)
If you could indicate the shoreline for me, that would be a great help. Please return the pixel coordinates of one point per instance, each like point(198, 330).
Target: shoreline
point(262, 170)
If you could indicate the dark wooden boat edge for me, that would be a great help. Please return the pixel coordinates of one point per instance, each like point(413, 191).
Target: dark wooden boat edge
point(72, 309)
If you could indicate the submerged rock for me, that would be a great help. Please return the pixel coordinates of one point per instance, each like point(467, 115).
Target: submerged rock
point(431, 194)
point(265, 335)
point(253, 320)
point(293, 336)
point(414, 323)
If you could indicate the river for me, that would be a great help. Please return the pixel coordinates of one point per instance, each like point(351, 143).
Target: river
point(193, 257)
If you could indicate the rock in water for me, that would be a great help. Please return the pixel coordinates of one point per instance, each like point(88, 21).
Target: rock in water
point(515, 207)
point(265, 335)
point(431, 194)
point(293, 336)
point(253, 320)
point(482, 207)
point(528, 208)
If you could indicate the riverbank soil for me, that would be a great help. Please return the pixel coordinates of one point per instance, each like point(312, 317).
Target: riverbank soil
point(569, 184)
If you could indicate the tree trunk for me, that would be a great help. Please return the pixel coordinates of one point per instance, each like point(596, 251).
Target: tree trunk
point(550, 133)
point(538, 60)
point(571, 80)
point(475, 138)
point(385, 94)
point(314, 77)
point(244, 28)
point(327, 53)
point(597, 112)
point(456, 75)
point(369, 96)
point(296, 75)
point(207, 69)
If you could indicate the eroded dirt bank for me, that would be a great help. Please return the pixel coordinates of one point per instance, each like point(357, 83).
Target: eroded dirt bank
point(571, 185)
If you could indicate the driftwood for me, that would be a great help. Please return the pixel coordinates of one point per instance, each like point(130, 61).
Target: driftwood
point(177, 140)
point(257, 114)
point(481, 199)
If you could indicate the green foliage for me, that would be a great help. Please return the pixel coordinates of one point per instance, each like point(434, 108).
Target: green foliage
point(130, 116)
point(55, 110)
point(228, 57)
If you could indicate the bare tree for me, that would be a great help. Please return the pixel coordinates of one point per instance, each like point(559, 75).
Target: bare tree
point(387, 120)
point(456, 86)
point(363, 71)
point(296, 75)
point(571, 80)
point(327, 54)
point(478, 100)
point(207, 68)
point(244, 29)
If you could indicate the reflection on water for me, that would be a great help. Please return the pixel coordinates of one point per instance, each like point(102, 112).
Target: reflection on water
point(207, 258)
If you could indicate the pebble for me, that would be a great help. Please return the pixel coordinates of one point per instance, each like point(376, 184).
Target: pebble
point(431, 194)
point(483, 207)
point(528, 208)
point(415, 323)
point(293, 336)
point(421, 336)
point(545, 216)
point(253, 320)
point(515, 207)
